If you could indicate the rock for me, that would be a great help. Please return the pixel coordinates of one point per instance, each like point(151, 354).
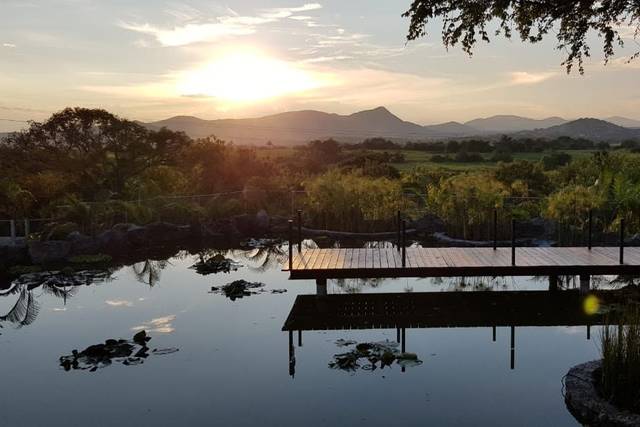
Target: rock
point(61, 231)
point(238, 289)
point(586, 405)
point(112, 242)
point(159, 233)
point(262, 222)
point(429, 223)
point(215, 264)
point(82, 244)
point(137, 236)
point(49, 252)
point(141, 337)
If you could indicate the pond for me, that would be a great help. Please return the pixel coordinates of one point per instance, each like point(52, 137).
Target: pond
point(209, 359)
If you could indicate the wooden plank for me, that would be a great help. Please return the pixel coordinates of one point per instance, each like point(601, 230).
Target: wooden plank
point(329, 262)
point(317, 264)
point(302, 259)
point(341, 258)
point(376, 258)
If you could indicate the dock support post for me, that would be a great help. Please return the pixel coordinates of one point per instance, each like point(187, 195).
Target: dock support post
point(321, 286)
point(589, 240)
point(622, 241)
point(588, 332)
point(290, 245)
point(513, 347)
point(292, 356)
point(553, 283)
point(399, 229)
point(398, 335)
point(299, 230)
point(403, 346)
point(513, 242)
point(12, 224)
point(299, 338)
point(495, 229)
point(27, 228)
point(494, 333)
point(404, 243)
point(585, 280)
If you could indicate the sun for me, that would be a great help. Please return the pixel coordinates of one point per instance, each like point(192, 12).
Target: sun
point(244, 77)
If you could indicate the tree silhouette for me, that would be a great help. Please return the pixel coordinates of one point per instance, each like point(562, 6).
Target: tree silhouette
point(571, 20)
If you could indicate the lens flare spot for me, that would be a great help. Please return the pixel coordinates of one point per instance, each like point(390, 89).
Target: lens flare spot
point(591, 305)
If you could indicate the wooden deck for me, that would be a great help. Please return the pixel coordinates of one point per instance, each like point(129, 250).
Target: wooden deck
point(442, 262)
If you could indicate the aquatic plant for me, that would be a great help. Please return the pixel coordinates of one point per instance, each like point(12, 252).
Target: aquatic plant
point(619, 377)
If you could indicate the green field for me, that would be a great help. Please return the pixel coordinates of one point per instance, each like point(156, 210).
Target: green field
point(422, 158)
point(414, 158)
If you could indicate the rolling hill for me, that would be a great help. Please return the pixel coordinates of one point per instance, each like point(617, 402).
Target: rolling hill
point(296, 127)
point(589, 128)
point(509, 124)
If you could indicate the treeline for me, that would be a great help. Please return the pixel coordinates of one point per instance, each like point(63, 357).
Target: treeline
point(504, 144)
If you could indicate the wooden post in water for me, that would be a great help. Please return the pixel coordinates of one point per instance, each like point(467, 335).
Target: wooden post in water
point(589, 240)
point(495, 229)
point(299, 230)
point(404, 243)
point(399, 229)
point(321, 287)
point(513, 241)
point(494, 333)
point(290, 244)
point(585, 284)
point(299, 338)
point(622, 241)
point(292, 356)
point(513, 347)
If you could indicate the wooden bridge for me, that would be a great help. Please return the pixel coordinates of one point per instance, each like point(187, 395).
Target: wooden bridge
point(447, 262)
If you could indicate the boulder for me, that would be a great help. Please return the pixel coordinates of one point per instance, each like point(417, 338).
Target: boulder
point(112, 242)
point(49, 252)
point(159, 233)
point(137, 236)
point(82, 244)
point(429, 224)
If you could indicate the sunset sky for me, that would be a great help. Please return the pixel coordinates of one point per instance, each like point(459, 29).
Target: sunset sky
point(155, 59)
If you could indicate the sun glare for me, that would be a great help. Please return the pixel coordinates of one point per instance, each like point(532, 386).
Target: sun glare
point(247, 77)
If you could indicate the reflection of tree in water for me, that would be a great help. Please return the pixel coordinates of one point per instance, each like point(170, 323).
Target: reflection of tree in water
point(355, 286)
point(149, 271)
point(24, 311)
point(63, 285)
point(475, 283)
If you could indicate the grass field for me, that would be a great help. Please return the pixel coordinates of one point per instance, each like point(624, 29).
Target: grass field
point(415, 158)
point(422, 158)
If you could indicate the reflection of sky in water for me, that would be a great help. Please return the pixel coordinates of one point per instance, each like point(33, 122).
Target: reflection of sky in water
point(232, 367)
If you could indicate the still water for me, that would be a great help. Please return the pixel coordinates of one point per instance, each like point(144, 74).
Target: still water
point(231, 367)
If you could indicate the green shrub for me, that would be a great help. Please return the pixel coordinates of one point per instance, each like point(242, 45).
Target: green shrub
point(62, 231)
point(218, 209)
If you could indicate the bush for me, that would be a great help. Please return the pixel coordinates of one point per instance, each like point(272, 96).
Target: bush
point(218, 209)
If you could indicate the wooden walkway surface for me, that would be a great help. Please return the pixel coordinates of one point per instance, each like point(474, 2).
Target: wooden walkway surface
point(436, 262)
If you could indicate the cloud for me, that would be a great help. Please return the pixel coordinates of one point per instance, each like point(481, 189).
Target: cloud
point(528, 78)
point(9, 45)
point(119, 303)
point(223, 26)
point(162, 325)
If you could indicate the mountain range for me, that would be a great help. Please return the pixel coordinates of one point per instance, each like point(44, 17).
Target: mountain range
point(297, 127)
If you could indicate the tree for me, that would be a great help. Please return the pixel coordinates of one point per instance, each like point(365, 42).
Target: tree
point(101, 150)
point(571, 20)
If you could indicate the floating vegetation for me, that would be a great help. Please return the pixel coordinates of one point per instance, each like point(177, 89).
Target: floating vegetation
point(241, 288)
point(260, 243)
point(215, 264)
point(91, 259)
point(125, 352)
point(370, 356)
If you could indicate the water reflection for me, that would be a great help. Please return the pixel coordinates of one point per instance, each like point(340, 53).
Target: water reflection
point(402, 311)
point(149, 271)
point(125, 352)
point(63, 285)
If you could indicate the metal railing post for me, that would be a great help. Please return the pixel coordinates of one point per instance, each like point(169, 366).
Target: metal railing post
point(290, 244)
point(299, 230)
point(27, 228)
point(399, 229)
point(404, 243)
point(622, 241)
point(495, 229)
point(513, 241)
point(589, 241)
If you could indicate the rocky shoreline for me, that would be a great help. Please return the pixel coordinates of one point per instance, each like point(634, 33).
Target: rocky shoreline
point(585, 403)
